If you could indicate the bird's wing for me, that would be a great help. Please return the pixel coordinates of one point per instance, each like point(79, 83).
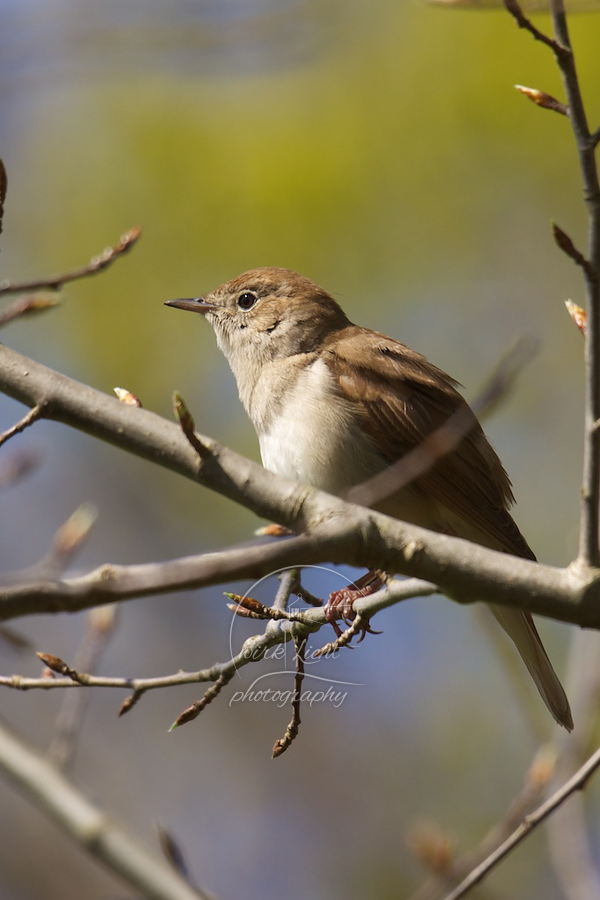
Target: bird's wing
point(402, 399)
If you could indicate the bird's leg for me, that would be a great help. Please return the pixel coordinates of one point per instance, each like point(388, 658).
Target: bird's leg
point(340, 603)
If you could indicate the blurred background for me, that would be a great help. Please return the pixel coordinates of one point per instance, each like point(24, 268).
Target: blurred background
point(380, 149)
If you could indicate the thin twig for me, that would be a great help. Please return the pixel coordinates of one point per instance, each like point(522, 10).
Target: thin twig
point(289, 581)
point(589, 529)
point(93, 830)
point(35, 413)
point(96, 264)
point(67, 541)
point(71, 678)
point(291, 732)
point(529, 824)
point(394, 592)
point(14, 640)
point(571, 840)
point(189, 714)
point(27, 305)
point(523, 22)
point(457, 868)
point(332, 529)
point(589, 532)
point(343, 639)
point(99, 629)
point(304, 595)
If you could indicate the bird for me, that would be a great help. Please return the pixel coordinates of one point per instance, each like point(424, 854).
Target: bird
point(334, 404)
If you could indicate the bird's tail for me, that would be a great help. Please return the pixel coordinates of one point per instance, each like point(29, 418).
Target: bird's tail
point(521, 629)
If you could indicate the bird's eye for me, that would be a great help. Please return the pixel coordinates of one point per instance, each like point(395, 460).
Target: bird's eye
point(247, 300)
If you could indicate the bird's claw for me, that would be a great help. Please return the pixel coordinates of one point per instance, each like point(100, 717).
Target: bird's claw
point(340, 605)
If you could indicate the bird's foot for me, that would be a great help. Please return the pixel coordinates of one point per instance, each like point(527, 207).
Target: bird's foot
point(340, 604)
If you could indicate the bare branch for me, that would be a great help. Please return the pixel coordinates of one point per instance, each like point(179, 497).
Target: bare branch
point(89, 826)
point(67, 540)
point(523, 22)
point(96, 264)
point(335, 531)
point(570, 838)
point(289, 584)
point(465, 572)
point(27, 305)
point(576, 783)
point(345, 638)
point(435, 848)
point(291, 732)
point(307, 620)
point(589, 531)
point(99, 629)
point(34, 414)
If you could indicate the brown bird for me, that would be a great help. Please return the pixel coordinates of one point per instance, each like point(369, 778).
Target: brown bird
point(334, 404)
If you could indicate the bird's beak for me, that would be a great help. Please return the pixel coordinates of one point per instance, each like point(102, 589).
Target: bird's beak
point(195, 304)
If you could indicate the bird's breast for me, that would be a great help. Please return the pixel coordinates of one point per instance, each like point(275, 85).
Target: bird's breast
point(315, 435)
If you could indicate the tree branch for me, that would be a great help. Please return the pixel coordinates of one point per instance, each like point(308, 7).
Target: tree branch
point(434, 846)
point(576, 783)
point(523, 22)
point(91, 828)
point(100, 626)
point(589, 531)
point(589, 545)
point(570, 838)
point(310, 619)
point(96, 264)
point(33, 415)
point(333, 530)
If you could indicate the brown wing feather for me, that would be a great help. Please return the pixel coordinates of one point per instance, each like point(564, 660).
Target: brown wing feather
point(403, 398)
